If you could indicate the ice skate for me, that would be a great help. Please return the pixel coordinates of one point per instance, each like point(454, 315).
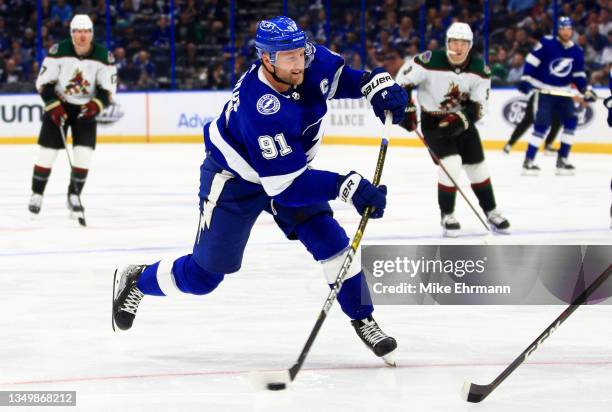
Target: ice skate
point(75, 206)
point(35, 204)
point(450, 226)
point(126, 296)
point(530, 168)
point(498, 223)
point(374, 338)
point(564, 168)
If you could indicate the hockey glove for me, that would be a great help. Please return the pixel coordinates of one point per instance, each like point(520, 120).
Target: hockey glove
point(57, 112)
point(453, 124)
point(524, 87)
point(383, 93)
point(589, 95)
point(355, 189)
point(90, 109)
point(608, 104)
point(410, 119)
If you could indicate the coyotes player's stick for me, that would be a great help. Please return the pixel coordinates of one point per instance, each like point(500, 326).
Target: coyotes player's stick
point(81, 217)
point(279, 380)
point(437, 160)
point(475, 393)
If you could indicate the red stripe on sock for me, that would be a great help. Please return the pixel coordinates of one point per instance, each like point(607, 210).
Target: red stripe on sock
point(449, 189)
point(79, 170)
point(484, 183)
point(41, 169)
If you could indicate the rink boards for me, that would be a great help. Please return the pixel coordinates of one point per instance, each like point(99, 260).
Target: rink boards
point(175, 117)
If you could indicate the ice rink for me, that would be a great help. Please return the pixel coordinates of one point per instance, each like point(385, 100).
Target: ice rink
point(195, 353)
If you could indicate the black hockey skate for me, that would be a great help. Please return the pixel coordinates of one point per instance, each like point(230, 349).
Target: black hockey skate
point(530, 168)
point(498, 223)
point(450, 226)
point(564, 168)
point(374, 338)
point(126, 296)
point(35, 203)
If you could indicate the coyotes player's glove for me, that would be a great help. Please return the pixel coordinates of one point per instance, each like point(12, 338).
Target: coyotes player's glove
point(410, 119)
point(57, 112)
point(383, 93)
point(590, 95)
point(90, 109)
point(355, 189)
point(453, 124)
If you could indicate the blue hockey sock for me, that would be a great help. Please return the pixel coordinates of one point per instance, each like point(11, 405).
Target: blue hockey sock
point(354, 297)
point(564, 150)
point(531, 152)
point(148, 281)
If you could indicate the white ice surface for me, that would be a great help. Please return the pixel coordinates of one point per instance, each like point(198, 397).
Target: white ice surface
point(196, 353)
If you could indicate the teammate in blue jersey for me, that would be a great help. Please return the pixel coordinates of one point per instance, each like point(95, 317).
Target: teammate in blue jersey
point(257, 159)
point(552, 67)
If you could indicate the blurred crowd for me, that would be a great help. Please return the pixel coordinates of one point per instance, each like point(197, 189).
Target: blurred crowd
point(139, 32)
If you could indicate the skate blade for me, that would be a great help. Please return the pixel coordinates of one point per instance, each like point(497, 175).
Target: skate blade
point(499, 231)
point(389, 359)
point(530, 172)
point(78, 216)
point(452, 233)
point(115, 285)
point(563, 172)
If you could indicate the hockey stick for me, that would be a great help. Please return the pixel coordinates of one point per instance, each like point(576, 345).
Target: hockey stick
point(437, 160)
point(280, 380)
point(81, 218)
point(475, 393)
point(563, 93)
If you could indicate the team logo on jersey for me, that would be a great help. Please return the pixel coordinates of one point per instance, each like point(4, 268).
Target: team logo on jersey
point(77, 85)
point(425, 57)
point(324, 85)
point(453, 98)
point(561, 67)
point(514, 112)
point(268, 104)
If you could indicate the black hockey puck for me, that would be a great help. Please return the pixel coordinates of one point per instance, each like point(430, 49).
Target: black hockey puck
point(276, 386)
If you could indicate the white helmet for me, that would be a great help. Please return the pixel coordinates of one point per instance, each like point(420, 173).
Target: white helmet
point(81, 22)
point(460, 31)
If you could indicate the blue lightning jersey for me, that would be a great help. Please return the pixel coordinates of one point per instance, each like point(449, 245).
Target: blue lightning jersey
point(553, 65)
point(267, 137)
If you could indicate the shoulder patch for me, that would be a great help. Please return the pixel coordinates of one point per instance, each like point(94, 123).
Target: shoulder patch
point(268, 104)
point(425, 57)
point(54, 49)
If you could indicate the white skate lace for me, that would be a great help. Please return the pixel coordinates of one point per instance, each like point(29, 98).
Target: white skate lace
point(132, 301)
point(372, 333)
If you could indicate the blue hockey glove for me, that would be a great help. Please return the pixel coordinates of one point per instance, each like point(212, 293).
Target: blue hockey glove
point(524, 87)
point(383, 93)
point(355, 189)
point(608, 104)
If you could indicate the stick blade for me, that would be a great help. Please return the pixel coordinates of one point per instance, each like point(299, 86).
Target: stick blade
point(474, 393)
point(269, 380)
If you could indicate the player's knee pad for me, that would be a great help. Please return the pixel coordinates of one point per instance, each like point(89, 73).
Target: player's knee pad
point(184, 275)
point(477, 173)
point(46, 157)
point(323, 236)
point(567, 136)
point(453, 167)
point(82, 156)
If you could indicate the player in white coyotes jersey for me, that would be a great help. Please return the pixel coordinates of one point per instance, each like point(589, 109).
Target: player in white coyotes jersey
point(453, 92)
point(77, 80)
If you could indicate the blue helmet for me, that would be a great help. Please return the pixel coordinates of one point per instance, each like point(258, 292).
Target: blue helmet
point(279, 34)
point(565, 22)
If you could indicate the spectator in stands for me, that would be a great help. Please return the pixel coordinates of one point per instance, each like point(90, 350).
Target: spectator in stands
point(12, 72)
point(161, 34)
point(594, 38)
point(147, 12)
point(516, 68)
point(144, 64)
point(217, 79)
point(126, 13)
point(62, 12)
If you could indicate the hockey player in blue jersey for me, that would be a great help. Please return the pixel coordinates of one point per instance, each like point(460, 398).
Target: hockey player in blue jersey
point(257, 159)
point(551, 68)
